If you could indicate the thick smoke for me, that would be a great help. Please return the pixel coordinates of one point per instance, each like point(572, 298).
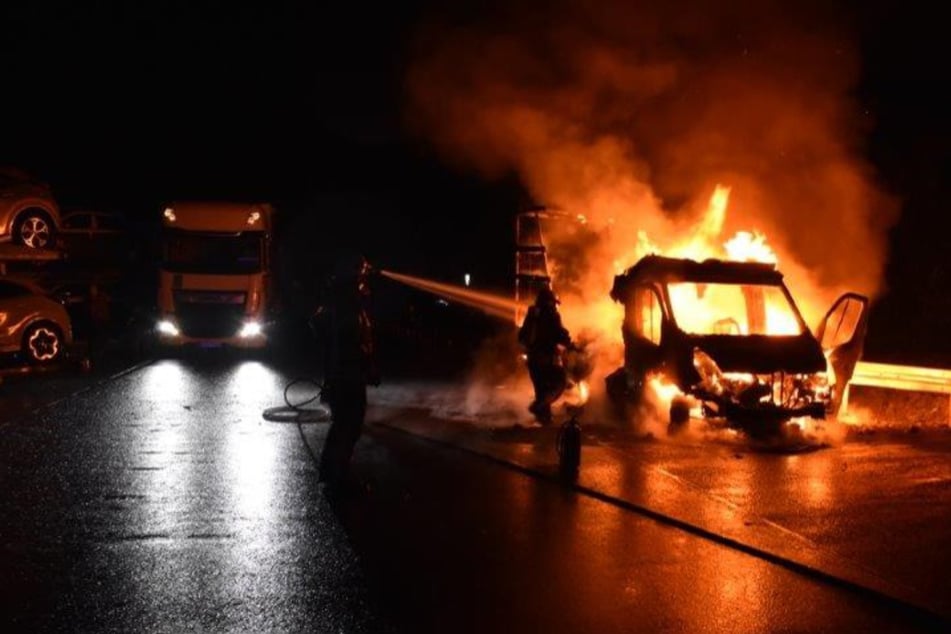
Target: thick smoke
point(629, 114)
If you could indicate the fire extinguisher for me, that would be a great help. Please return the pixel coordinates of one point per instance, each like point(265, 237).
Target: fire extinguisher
point(569, 447)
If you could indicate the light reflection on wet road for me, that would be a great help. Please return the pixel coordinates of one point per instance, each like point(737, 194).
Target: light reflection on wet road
point(164, 501)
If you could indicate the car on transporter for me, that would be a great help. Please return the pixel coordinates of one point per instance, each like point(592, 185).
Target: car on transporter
point(731, 339)
point(33, 325)
point(29, 215)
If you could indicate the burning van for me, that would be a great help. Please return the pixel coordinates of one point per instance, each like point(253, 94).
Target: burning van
point(728, 341)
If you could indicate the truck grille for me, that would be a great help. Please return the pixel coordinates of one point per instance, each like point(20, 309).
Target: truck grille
point(209, 315)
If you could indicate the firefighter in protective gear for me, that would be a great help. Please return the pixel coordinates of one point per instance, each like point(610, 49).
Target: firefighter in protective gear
point(349, 364)
point(542, 335)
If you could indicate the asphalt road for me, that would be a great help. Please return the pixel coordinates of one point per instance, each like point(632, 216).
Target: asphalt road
point(161, 499)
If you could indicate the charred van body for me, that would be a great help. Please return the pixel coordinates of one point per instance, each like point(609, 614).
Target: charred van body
point(730, 337)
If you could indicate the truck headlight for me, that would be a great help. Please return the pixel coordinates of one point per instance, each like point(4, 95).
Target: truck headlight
point(167, 327)
point(250, 329)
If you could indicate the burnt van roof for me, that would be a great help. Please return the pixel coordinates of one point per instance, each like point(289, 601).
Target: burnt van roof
point(656, 268)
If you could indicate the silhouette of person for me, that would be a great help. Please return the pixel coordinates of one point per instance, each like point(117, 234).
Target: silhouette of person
point(349, 364)
point(542, 335)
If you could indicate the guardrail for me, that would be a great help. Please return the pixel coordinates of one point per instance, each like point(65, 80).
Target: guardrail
point(899, 377)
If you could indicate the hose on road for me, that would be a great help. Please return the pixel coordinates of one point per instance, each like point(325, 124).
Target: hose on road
point(296, 410)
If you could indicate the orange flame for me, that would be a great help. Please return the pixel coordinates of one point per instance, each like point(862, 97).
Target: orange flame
point(583, 391)
point(748, 246)
point(712, 223)
point(706, 310)
point(663, 389)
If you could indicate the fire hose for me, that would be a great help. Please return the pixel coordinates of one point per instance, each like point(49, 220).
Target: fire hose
point(297, 411)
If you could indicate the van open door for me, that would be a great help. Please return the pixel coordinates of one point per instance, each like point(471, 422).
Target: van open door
point(842, 337)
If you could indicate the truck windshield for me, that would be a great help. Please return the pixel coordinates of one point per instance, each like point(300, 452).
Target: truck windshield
point(186, 252)
point(733, 309)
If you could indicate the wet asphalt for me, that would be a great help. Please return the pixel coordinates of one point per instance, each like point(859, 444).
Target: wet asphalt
point(161, 499)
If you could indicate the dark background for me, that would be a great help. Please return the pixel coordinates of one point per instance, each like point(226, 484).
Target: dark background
point(124, 106)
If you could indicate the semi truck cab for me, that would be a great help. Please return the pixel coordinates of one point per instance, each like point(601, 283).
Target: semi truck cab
point(215, 284)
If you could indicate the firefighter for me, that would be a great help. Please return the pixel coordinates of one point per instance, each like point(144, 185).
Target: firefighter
point(349, 364)
point(542, 336)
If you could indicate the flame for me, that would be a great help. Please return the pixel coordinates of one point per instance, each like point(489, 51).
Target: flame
point(486, 96)
point(578, 395)
point(583, 392)
point(702, 242)
point(663, 389)
point(703, 310)
point(744, 246)
point(712, 223)
point(781, 322)
point(748, 246)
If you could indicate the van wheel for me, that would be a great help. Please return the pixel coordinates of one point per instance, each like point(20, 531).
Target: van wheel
point(43, 344)
point(34, 229)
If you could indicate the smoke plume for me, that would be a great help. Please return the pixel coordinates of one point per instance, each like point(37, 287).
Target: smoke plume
point(629, 114)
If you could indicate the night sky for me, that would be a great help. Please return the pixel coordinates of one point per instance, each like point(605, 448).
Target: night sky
point(127, 105)
point(128, 102)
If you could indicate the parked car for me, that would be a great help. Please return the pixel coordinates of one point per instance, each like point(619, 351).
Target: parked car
point(29, 215)
point(94, 236)
point(32, 323)
point(729, 336)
